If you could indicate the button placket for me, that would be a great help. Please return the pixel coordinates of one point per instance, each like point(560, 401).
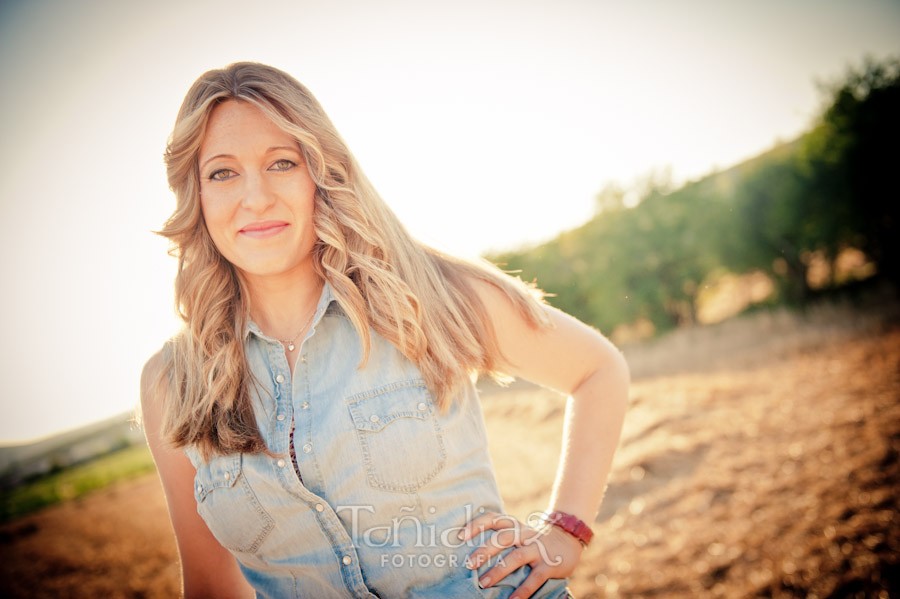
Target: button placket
point(301, 382)
point(282, 393)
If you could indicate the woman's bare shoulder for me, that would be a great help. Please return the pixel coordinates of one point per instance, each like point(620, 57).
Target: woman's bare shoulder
point(153, 368)
point(153, 388)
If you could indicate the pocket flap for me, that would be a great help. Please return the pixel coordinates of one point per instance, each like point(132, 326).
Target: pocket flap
point(375, 409)
point(218, 472)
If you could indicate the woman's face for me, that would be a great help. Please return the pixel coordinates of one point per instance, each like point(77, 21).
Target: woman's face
point(256, 194)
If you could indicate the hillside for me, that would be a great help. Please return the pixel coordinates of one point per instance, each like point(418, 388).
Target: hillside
point(27, 460)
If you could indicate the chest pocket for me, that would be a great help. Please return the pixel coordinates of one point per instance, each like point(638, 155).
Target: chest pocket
point(228, 505)
point(398, 435)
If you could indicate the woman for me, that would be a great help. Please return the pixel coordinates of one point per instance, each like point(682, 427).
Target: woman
point(315, 424)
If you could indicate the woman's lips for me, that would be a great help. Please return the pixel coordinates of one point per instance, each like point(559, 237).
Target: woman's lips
point(264, 229)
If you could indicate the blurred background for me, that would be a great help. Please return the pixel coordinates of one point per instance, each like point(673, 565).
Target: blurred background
point(712, 185)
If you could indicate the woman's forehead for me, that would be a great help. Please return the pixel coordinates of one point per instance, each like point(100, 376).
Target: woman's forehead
point(235, 125)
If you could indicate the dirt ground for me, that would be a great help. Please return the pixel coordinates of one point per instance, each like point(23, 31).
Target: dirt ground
point(774, 478)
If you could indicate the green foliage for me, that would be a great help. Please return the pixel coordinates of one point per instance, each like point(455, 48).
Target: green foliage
point(72, 482)
point(779, 219)
point(829, 190)
point(647, 262)
point(854, 155)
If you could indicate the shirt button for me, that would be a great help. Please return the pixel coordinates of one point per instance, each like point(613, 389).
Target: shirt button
point(280, 463)
point(347, 560)
point(320, 507)
point(303, 359)
point(279, 379)
point(422, 406)
point(307, 448)
point(374, 417)
point(280, 417)
point(228, 476)
point(199, 488)
point(304, 405)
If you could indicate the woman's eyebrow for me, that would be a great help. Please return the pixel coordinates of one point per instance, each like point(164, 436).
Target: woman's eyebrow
point(291, 148)
point(208, 160)
point(268, 151)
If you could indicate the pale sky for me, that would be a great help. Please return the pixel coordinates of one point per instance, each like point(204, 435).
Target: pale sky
point(485, 125)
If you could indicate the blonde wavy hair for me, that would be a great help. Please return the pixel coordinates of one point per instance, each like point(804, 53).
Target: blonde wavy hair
point(421, 300)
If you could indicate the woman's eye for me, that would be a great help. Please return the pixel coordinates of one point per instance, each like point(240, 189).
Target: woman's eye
point(222, 174)
point(283, 165)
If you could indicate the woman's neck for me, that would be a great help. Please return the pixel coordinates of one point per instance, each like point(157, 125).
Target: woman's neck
point(282, 305)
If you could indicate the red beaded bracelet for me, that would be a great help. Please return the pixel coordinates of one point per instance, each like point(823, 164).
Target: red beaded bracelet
point(571, 525)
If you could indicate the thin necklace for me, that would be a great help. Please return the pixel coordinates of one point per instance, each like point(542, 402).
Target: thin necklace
point(290, 343)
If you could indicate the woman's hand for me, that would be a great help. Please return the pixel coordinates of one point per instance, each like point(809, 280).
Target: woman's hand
point(550, 551)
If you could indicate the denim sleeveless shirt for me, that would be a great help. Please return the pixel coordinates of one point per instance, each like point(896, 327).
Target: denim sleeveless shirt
point(387, 479)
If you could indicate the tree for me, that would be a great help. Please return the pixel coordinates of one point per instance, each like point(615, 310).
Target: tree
point(853, 156)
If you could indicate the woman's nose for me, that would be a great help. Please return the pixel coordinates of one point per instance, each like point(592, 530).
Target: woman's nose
point(257, 194)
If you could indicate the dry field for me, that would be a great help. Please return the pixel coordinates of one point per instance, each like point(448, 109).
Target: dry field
point(768, 469)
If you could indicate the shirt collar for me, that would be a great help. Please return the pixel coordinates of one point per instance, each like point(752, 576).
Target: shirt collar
point(325, 300)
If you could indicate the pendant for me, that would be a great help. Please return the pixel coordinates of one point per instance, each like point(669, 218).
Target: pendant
point(290, 347)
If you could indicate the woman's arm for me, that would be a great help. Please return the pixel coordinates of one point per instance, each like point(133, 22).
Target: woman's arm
point(576, 359)
point(207, 569)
